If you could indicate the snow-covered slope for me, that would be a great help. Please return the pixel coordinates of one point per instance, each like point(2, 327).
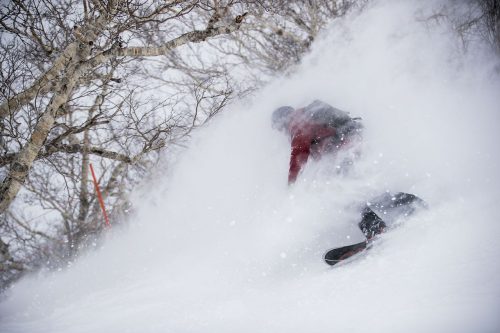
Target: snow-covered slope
point(221, 244)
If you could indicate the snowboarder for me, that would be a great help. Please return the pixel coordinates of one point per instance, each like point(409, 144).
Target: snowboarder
point(320, 129)
point(316, 130)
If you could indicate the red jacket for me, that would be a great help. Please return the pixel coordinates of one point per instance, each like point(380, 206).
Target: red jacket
point(308, 138)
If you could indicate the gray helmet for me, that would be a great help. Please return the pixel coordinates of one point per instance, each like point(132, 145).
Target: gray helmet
point(281, 117)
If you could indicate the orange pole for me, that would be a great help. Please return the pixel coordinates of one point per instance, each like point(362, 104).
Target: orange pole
point(99, 196)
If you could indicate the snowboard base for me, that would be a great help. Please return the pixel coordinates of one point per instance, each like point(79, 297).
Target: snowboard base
point(340, 254)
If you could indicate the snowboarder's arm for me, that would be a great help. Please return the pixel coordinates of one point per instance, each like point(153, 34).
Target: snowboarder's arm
point(301, 145)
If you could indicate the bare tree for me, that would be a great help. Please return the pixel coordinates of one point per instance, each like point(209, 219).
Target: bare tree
point(490, 21)
point(97, 43)
point(474, 20)
point(66, 98)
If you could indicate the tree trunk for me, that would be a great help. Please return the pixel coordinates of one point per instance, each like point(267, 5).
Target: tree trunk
point(20, 168)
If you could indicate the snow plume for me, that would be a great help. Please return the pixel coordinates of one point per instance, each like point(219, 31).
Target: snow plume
point(222, 244)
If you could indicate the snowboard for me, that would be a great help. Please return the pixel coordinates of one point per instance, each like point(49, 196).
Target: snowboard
point(342, 254)
point(377, 215)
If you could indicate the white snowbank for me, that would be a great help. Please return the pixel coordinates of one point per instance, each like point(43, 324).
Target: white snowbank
point(223, 245)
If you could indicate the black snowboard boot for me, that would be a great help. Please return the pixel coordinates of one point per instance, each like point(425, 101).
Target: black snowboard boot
point(371, 224)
